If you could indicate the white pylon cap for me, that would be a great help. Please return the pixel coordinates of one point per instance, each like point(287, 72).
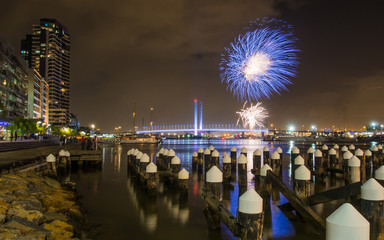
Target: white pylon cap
point(346, 223)
point(336, 146)
point(139, 155)
point(200, 150)
point(380, 146)
point(151, 168)
point(171, 153)
point(161, 150)
point(299, 160)
point(302, 173)
point(243, 150)
point(275, 155)
point(375, 149)
point(135, 151)
point(242, 159)
point(354, 162)
point(318, 153)
point(183, 174)
point(194, 154)
point(214, 175)
point(310, 150)
point(344, 148)
point(144, 158)
point(62, 153)
point(215, 153)
point(257, 152)
point(67, 154)
point(165, 153)
point(265, 149)
point(250, 202)
point(325, 147)
point(264, 169)
point(175, 160)
point(207, 152)
point(379, 173)
point(225, 154)
point(51, 158)
point(226, 159)
point(359, 152)
point(279, 150)
point(295, 150)
point(233, 149)
point(372, 190)
point(129, 152)
point(351, 147)
point(157, 155)
point(211, 148)
point(368, 153)
point(347, 155)
point(332, 151)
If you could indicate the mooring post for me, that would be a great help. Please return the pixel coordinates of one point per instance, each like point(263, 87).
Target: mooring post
point(171, 155)
point(257, 160)
point(215, 158)
point(380, 154)
point(244, 151)
point(214, 181)
point(200, 161)
point(195, 159)
point(266, 155)
point(233, 159)
point(68, 157)
point(318, 163)
point(242, 170)
point(164, 159)
point(265, 185)
point(160, 158)
point(360, 155)
point(379, 175)
point(375, 160)
point(294, 153)
point(151, 171)
point(337, 148)
point(183, 182)
point(211, 148)
point(144, 161)
point(372, 207)
point(275, 162)
point(227, 169)
point(310, 158)
point(346, 223)
point(343, 150)
point(299, 160)
point(354, 169)
point(346, 156)
point(207, 159)
point(368, 162)
point(175, 166)
point(302, 184)
point(129, 153)
point(352, 148)
point(137, 161)
point(250, 215)
point(280, 152)
point(62, 158)
point(51, 163)
point(332, 160)
point(324, 150)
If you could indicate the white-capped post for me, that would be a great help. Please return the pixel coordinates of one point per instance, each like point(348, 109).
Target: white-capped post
point(310, 158)
point(242, 170)
point(302, 184)
point(233, 159)
point(257, 160)
point(226, 169)
point(215, 158)
point(207, 159)
point(214, 181)
point(266, 155)
point(194, 160)
point(354, 169)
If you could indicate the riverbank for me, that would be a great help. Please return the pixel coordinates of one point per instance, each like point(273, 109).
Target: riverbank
point(35, 207)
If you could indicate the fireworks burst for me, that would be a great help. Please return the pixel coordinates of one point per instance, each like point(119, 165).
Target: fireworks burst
point(253, 116)
point(259, 62)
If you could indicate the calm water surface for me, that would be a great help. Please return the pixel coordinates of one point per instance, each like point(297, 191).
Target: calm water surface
point(122, 210)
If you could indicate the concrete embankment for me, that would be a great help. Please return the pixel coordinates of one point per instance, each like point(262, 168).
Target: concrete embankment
point(35, 207)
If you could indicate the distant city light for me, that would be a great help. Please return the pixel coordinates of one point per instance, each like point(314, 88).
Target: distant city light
point(291, 128)
point(313, 127)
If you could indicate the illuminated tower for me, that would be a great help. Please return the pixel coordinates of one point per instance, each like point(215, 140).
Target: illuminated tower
point(195, 125)
point(201, 116)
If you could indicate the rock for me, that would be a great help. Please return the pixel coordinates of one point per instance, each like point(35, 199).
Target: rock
point(59, 230)
point(57, 202)
point(76, 213)
point(24, 230)
point(32, 216)
point(3, 208)
point(9, 234)
point(52, 216)
point(28, 203)
point(2, 218)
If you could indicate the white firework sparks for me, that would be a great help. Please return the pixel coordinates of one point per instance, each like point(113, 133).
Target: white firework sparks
point(253, 116)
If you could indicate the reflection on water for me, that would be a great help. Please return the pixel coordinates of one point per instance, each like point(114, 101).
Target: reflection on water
point(122, 206)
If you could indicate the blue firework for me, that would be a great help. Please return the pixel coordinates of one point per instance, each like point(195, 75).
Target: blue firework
point(259, 63)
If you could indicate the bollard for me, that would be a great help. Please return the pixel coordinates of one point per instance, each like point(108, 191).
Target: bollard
point(346, 156)
point(195, 159)
point(368, 162)
point(294, 153)
point(275, 163)
point(211, 148)
point(200, 161)
point(318, 162)
point(62, 161)
point(243, 151)
point(332, 159)
point(183, 182)
point(302, 185)
point(379, 175)
point(129, 157)
point(299, 160)
point(257, 160)
point(226, 169)
point(233, 159)
point(160, 158)
point(375, 160)
point(343, 150)
point(280, 152)
point(266, 155)
point(144, 161)
point(372, 207)
point(51, 163)
point(214, 181)
point(242, 170)
point(68, 157)
point(360, 155)
point(337, 148)
point(175, 166)
point(151, 172)
point(310, 158)
point(380, 154)
point(171, 155)
point(207, 159)
point(215, 158)
point(324, 150)
point(265, 185)
point(352, 148)
point(250, 215)
point(164, 159)
point(346, 223)
point(137, 162)
point(354, 169)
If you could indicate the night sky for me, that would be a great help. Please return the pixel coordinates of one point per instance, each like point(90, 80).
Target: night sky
point(164, 54)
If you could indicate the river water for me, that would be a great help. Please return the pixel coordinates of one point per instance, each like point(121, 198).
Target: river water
point(118, 208)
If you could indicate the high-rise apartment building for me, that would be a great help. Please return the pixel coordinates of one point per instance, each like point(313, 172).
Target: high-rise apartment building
point(37, 97)
point(47, 50)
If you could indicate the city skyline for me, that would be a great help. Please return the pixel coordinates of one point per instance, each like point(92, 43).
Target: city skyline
point(164, 55)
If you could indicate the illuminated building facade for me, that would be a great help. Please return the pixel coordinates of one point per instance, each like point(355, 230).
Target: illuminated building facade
point(38, 99)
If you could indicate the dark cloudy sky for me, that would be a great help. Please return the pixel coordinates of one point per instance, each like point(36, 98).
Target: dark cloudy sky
point(163, 54)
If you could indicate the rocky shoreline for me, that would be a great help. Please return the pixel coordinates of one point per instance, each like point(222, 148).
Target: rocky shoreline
point(36, 207)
